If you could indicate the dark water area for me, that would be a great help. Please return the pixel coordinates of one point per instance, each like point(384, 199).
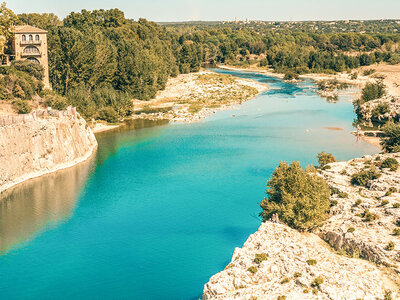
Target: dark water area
point(160, 209)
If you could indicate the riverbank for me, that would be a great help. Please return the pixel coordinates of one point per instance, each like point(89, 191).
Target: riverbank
point(192, 97)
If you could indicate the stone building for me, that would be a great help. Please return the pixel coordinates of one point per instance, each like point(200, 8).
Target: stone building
point(30, 43)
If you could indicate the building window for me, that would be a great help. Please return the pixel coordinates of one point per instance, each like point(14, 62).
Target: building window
point(34, 60)
point(31, 50)
point(23, 37)
point(30, 37)
point(37, 38)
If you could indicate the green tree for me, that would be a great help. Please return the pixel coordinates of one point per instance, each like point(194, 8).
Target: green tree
point(391, 141)
point(300, 197)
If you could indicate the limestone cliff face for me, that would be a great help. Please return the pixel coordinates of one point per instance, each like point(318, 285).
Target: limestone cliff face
point(277, 261)
point(42, 142)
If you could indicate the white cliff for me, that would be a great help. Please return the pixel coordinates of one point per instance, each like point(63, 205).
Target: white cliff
point(42, 142)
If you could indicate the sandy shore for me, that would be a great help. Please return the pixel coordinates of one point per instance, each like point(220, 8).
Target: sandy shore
point(103, 126)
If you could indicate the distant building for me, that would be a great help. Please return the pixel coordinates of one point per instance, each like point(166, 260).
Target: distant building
point(30, 43)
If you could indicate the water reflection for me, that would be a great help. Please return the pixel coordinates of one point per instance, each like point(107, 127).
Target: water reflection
point(38, 203)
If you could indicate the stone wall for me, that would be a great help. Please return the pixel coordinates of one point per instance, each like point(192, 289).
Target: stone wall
point(42, 142)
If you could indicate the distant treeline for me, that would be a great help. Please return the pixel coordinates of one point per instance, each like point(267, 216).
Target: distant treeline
point(101, 49)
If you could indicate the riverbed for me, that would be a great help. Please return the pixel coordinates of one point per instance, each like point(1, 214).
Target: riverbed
point(161, 209)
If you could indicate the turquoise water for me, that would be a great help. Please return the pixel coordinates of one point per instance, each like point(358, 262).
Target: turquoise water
point(161, 209)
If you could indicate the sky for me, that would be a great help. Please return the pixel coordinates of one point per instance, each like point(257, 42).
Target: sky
point(218, 10)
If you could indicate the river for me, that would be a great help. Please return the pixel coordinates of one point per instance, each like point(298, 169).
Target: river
point(161, 209)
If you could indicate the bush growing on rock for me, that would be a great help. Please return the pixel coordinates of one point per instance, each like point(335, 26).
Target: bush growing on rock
point(390, 163)
point(390, 246)
point(363, 177)
point(285, 280)
point(351, 229)
point(297, 275)
point(368, 216)
point(55, 101)
point(325, 158)
point(396, 205)
point(373, 91)
point(396, 231)
point(384, 202)
point(252, 269)
point(311, 262)
point(391, 141)
point(21, 106)
point(259, 258)
point(300, 197)
point(343, 195)
point(317, 282)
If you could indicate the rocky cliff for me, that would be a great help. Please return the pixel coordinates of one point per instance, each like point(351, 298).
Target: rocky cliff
point(42, 142)
point(363, 231)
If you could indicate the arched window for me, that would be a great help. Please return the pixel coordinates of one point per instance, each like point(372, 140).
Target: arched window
point(34, 60)
point(31, 50)
point(37, 38)
point(23, 37)
point(30, 37)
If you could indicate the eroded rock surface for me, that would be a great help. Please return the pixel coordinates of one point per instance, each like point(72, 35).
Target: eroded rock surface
point(42, 142)
point(289, 270)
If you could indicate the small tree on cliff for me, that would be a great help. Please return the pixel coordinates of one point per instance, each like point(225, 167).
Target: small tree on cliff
point(300, 197)
point(325, 158)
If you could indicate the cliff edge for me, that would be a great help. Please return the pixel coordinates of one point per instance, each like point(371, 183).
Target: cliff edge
point(42, 142)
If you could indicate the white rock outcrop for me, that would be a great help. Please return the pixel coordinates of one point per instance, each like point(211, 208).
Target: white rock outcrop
point(363, 262)
point(288, 270)
point(42, 142)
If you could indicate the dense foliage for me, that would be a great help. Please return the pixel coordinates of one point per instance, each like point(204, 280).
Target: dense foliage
point(21, 80)
point(90, 50)
point(391, 141)
point(363, 177)
point(325, 158)
point(299, 197)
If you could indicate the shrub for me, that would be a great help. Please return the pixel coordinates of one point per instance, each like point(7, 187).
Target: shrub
point(333, 203)
point(31, 68)
point(311, 262)
point(396, 231)
point(357, 203)
point(390, 246)
point(343, 195)
point(369, 72)
point(281, 297)
point(351, 229)
point(259, 258)
point(297, 275)
point(252, 269)
point(390, 163)
point(391, 141)
point(373, 91)
point(325, 158)
point(108, 114)
point(290, 75)
point(384, 202)
point(334, 191)
point(388, 295)
point(285, 280)
point(21, 106)
point(379, 110)
point(55, 101)
point(300, 197)
point(306, 291)
point(363, 177)
point(368, 216)
point(317, 282)
point(396, 205)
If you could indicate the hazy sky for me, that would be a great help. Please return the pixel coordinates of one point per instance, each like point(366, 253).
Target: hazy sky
point(183, 10)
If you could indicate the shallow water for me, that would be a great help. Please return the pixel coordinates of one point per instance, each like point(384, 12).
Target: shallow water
point(161, 209)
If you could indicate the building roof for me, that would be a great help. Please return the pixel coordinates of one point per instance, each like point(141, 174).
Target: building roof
point(27, 29)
